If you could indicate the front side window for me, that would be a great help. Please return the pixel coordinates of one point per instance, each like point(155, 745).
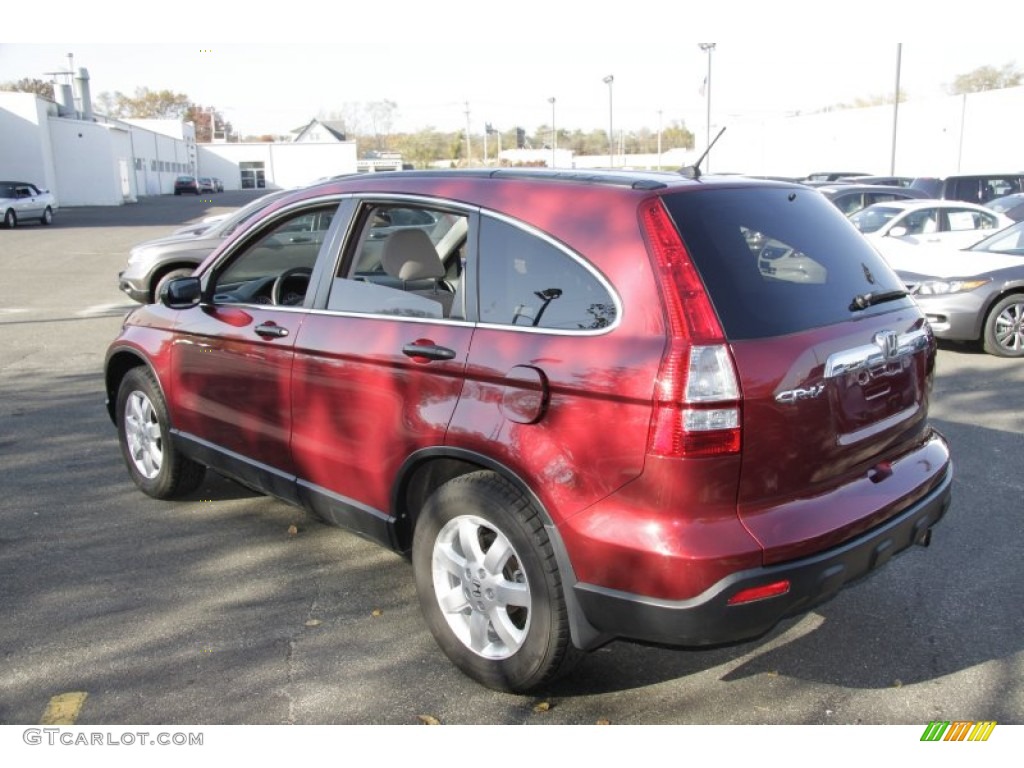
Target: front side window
point(922, 222)
point(527, 281)
point(275, 267)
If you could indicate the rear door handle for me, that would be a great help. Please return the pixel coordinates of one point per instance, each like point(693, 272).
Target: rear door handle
point(427, 350)
point(271, 331)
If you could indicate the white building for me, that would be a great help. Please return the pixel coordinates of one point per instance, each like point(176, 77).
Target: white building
point(87, 159)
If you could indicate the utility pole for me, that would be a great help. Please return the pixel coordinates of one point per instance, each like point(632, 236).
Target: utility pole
point(896, 109)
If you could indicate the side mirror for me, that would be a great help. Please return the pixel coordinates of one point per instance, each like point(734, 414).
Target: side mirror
point(181, 293)
point(898, 232)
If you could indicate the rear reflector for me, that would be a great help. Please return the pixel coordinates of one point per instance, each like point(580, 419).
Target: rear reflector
point(774, 589)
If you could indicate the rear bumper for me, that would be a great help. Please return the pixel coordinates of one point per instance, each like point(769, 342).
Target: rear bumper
point(708, 619)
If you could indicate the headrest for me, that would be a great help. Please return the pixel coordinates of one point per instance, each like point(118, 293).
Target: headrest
point(409, 255)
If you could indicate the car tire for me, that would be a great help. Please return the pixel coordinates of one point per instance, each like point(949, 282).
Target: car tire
point(497, 610)
point(10, 219)
point(143, 430)
point(1003, 334)
point(166, 278)
point(47, 218)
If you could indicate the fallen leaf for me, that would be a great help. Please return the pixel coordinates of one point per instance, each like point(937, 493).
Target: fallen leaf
point(429, 720)
point(377, 612)
point(544, 706)
point(292, 530)
point(313, 623)
point(603, 721)
point(897, 683)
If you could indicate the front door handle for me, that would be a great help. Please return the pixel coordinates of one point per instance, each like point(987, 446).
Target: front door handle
point(271, 331)
point(427, 350)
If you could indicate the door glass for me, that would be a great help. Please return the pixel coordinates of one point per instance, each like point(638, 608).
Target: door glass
point(275, 267)
point(405, 261)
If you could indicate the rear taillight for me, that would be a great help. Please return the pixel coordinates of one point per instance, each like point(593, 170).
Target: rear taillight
point(697, 394)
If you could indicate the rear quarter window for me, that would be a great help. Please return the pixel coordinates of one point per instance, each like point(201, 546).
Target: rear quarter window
point(778, 260)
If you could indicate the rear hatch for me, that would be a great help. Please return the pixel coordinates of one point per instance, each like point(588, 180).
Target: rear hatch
point(834, 364)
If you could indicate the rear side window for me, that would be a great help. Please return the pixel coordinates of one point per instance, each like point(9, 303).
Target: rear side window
point(527, 281)
point(778, 261)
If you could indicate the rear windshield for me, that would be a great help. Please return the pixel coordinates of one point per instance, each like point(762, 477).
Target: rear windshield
point(779, 261)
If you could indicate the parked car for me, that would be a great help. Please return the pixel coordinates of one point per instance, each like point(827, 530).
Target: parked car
point(975, 294)
point(893, 226)
point(206, 184)
point(153, 263)
point(186, 185)
point(850, 198)
point(829, 176)
point(885, 181)
point(576, 401)
point(1009, 205)
point(974, 188)
point(21, 202)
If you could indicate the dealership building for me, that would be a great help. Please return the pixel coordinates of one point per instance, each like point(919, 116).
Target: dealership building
point(85, 158)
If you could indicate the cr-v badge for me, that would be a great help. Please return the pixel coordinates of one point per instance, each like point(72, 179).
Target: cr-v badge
point(800, 393)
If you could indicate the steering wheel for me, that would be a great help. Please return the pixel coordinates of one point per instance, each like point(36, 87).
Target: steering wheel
point(279, 296)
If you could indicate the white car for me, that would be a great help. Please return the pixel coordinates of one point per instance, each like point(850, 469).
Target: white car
point(893, 226)
point(21, 202)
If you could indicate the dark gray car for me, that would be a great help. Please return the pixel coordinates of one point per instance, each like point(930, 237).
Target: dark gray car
point(155, 262)
point(976, 294)
point(850, 198)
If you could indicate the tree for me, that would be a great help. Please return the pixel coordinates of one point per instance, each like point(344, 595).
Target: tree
point(875, 100)
point(30, 85)
point(381, 115)
point(147, 104)
point(986, 78)
point(210, 124)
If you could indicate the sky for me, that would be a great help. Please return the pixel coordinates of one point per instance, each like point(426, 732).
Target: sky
point(271, 71)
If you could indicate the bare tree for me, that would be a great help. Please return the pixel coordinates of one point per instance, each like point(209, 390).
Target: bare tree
point(986, 78)
point(30, 85)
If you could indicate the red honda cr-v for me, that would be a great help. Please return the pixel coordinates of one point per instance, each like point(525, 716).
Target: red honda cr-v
point(587, 406)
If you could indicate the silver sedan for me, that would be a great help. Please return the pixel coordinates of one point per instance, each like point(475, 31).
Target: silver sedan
point(21, 202)
point(976, 294)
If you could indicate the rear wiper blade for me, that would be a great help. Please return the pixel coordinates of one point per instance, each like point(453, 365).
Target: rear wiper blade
point(865, 300)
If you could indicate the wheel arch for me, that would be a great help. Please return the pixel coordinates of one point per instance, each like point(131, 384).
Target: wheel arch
point(165, 269)
point(119, 363)
point(428, 469)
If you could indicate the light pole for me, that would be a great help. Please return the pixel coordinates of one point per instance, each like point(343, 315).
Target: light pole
point(469, 147)
point(611, 133)
point(554, 132)
point(896, 108)
point(708, 48)
point(659, 139)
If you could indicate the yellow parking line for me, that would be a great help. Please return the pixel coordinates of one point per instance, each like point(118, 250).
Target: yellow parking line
point(64, 709)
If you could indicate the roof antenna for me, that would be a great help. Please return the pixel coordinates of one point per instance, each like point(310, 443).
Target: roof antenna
point(693, 171)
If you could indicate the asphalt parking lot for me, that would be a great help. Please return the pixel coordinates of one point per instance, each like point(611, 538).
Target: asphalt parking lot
point(234, 608)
